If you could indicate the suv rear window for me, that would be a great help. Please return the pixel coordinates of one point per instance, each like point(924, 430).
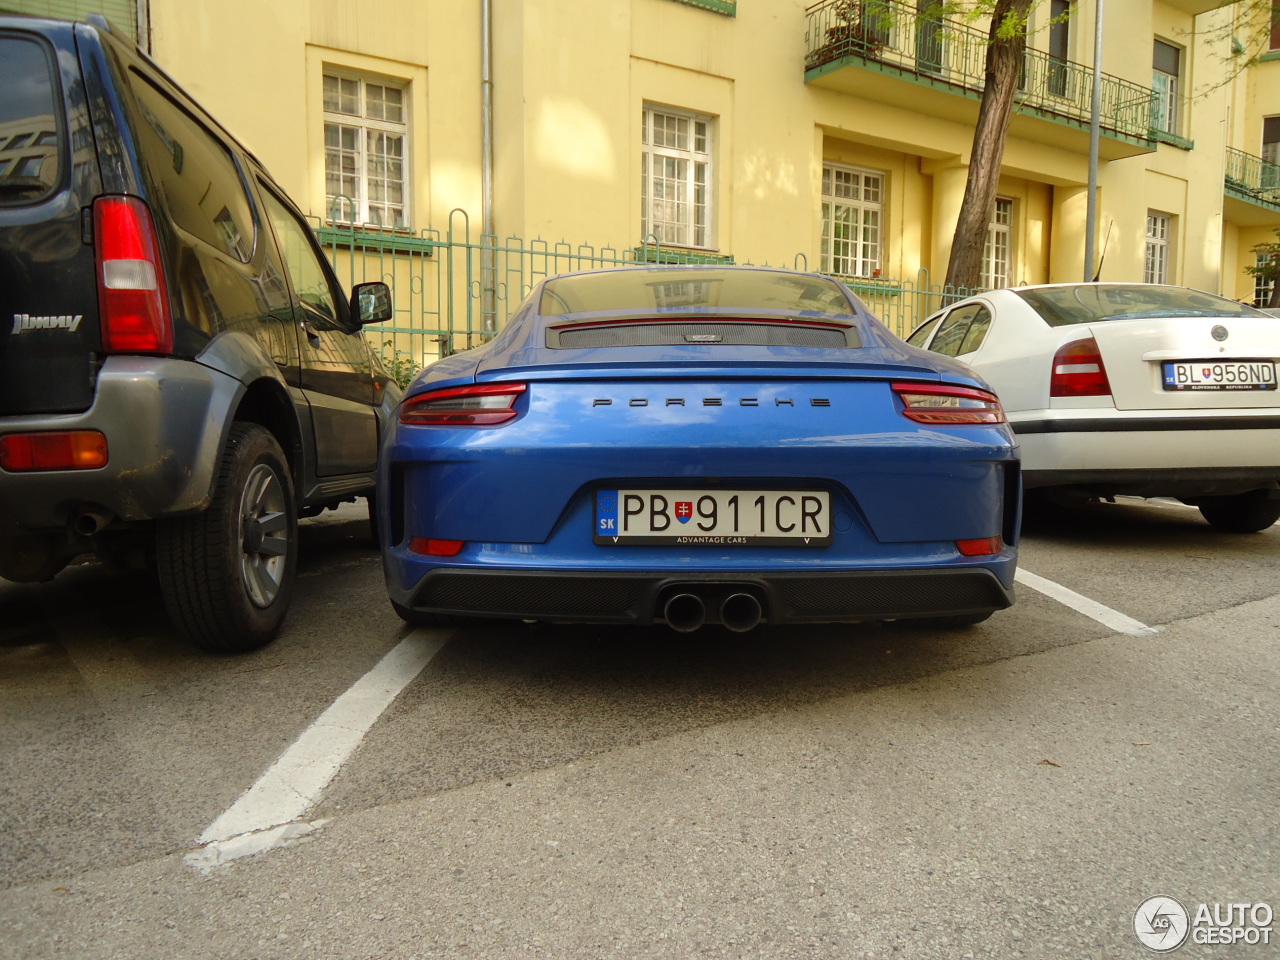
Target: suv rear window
point(30, 135)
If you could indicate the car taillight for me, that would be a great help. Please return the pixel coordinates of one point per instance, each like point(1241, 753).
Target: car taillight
point(945, 404)
point(1078, 371)
point(481, 405)
point(53, 450)
point(984, 547)
point(131, 290)
point(430, 547)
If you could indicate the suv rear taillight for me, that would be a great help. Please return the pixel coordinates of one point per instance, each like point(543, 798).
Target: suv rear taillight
point(131, 290)
point(1078, 371)
point(482, 405)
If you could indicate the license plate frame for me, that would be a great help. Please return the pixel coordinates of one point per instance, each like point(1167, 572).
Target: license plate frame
point(1218, 375)
point(711, 518)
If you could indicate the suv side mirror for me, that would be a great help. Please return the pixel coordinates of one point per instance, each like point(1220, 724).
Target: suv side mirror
point(372, 302)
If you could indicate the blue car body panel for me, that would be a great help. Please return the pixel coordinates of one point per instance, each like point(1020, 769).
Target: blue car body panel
point(520, 496)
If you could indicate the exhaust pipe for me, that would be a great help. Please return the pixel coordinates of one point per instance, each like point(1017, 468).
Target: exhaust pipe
point(89, 523)
point(685, 612)
point(740, 612)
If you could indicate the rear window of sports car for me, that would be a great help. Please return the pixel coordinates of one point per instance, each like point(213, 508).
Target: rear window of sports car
point(1096, 302)
point(674, 291)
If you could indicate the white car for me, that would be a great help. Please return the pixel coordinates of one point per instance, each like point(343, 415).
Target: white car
point(1129, 388)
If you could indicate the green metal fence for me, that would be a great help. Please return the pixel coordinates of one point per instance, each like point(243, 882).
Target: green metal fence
point(896, 37)
point(1252, 177)
point(453, 289)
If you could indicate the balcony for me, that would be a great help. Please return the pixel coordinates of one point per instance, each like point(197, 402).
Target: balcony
point(869, 47)
point(1252, 189)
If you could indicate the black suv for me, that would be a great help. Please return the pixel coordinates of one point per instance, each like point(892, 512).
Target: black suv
point(181, 375)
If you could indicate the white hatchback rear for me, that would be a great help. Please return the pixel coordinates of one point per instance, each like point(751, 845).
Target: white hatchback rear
point(1142, 389)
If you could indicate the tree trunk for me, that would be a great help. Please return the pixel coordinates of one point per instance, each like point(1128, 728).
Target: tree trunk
point(1003, 68)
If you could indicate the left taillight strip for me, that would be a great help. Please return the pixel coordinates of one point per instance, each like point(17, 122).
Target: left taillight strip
point(477, 405)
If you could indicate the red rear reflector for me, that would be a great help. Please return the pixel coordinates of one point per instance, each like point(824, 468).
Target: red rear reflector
point(131, 290)
point(63, 450)
point(980, 548)
point(481, 405)
point(435, 548)
point(945, 404)
point(1078, 371)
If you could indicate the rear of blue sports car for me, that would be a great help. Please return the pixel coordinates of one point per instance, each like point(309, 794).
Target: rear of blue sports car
point(695, 445)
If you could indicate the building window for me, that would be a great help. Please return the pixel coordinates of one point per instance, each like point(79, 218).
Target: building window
point(1262, 286)
point(852, 215)
point(997, 255)
point(1159, 231)
point(1059, 46)
point(930, 34)
point(366, 158)
point(1274, 39)
point(675, 177)
point(1166, 72)
point(1270, 153)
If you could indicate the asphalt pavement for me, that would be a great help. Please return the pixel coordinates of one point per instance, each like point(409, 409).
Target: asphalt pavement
point(1015, 789)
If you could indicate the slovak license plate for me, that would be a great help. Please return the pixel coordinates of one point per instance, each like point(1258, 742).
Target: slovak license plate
point(1219, 375)
point(713, 518)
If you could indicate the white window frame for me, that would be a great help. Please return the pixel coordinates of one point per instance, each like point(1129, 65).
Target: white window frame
point(997, 252)
point(677, 177)
point(1159, 243)
point(1261, 285)
point(374, 212)
point(853, 198)
point(1167, 87)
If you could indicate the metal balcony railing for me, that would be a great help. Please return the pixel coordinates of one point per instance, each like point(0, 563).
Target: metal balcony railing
point(897, 35)
point(1252, 176)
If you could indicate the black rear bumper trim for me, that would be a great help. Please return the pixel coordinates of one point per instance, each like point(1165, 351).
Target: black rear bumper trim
point(592, 597)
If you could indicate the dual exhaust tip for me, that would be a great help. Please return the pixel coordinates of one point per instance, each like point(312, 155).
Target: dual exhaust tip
point(686, 611)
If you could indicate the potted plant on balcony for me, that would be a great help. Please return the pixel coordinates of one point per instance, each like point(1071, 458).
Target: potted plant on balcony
point(861, 30)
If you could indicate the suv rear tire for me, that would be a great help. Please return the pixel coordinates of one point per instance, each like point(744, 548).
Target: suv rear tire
point(227, 574)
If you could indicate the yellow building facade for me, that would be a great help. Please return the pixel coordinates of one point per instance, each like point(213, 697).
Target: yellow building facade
point(833, 136)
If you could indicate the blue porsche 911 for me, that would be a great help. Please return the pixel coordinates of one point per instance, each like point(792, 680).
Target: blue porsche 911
point(690, 445)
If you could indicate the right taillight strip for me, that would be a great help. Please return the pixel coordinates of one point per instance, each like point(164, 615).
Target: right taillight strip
point(947, 405)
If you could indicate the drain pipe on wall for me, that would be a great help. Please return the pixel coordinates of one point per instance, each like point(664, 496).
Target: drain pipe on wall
point(488, 305)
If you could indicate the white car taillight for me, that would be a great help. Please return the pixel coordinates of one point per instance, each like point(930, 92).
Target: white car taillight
point(1078, 371)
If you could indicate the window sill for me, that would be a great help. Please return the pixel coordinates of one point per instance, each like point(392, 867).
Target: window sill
point(1172, 139)
point(382, 241)
point(652, 254)
point(727, 7)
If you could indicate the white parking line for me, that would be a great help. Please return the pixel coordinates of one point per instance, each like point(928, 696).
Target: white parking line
point(271, 811)
point(1113, 619)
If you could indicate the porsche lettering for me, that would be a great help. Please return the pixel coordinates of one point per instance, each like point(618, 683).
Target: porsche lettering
point(710, 402)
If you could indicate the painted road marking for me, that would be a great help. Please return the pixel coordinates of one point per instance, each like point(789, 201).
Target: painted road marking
point(271, 811)
point(1113, 619)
